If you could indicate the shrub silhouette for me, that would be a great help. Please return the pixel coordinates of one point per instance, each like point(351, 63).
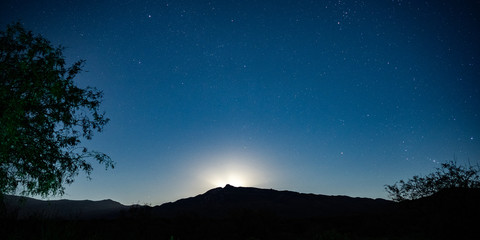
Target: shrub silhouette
point(449, 175)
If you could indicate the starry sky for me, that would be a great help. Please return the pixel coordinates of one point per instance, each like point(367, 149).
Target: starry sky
point(328, 97)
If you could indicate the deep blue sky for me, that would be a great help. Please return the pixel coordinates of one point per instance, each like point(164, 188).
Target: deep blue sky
point(329, 97)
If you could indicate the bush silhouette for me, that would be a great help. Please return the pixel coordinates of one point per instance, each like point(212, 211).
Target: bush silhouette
point(449, 175)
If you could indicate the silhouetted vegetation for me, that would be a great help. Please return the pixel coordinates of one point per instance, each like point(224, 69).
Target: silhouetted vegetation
point(43, 116)
point(449, 175)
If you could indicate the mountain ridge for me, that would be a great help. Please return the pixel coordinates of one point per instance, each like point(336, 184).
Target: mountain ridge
point(223, 202)
point(244, 212)
point(25, 207)
point(220, 202)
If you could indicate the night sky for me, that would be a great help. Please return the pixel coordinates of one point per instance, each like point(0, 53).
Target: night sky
point(326, 97)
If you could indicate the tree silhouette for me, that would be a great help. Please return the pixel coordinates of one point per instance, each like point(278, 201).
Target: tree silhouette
point(43, 116)
point(449, 175)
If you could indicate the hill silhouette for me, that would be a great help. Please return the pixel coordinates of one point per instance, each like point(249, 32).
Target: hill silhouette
point(215, 203)
point(24, 207)
point(250, 213)
point(229, 200)
point(221, 202)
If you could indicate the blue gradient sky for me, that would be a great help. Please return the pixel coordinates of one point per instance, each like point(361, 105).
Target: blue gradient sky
point(329, 97)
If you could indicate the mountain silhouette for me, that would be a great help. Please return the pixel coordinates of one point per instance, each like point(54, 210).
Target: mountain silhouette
point(216, 203)
point(24, 207)
point(229, 200)
point(249, 213)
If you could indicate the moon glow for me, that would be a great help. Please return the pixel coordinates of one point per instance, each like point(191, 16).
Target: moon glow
point(240, 170)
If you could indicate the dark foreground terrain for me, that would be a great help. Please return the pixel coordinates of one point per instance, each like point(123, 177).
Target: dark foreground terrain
point(248, 213)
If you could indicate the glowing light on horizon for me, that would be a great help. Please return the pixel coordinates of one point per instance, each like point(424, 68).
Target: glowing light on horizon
point(233, 179)
point(236, 169)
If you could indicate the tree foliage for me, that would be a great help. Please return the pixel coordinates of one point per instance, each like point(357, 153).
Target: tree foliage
point(43, 116)
point(449, 175)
